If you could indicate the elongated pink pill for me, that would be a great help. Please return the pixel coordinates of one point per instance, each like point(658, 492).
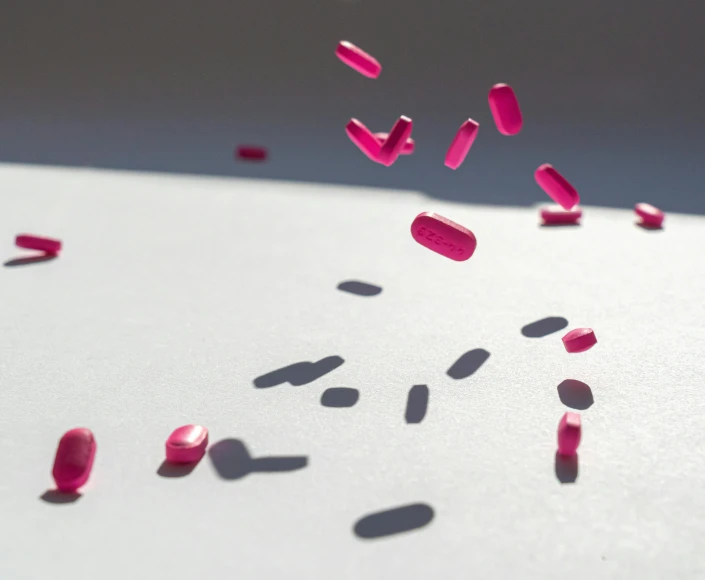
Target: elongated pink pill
point(187, 444)
point(569, 433)
point(556, 186)
point(32, 242)
point(364, 139)
point(651, 217)
point(579, 340)
point(358, 59)
point(398, 136)
point(461, 144)
point(74, 459)
point(407, 149)
point(505, 109)
point(443, 236)
point(555, 214)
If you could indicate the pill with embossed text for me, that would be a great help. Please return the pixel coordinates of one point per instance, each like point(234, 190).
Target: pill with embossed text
point(443, 236)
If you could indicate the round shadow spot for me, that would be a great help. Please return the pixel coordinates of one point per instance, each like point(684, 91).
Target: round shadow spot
point(575, 394)
point(340, 397)
point(544, 327)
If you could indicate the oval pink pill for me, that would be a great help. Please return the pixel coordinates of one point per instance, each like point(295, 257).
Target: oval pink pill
point(505, 109)
point(407, 149)
point(187, 444)
point(569, 433)
point(556, 186)
point(398, 136)
point(555, 214)
point(358, 59)
point(363, 139)
point(443, 236)
point(651, 217)
point(42, 244)
point(74, 459)
point(460, 146)
point(579, 340)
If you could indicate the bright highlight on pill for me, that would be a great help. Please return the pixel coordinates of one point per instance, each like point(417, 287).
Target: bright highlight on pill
point(74, 460)
point(398, 136)
point(364, 139)
point(358, 59)
point(556, 215)
point(569, 433)
point(579, 340)
point(39, 243)
point(187, 444)
point(651, 217)
point(460, 146)
point(408, 147)
point(505, 109)
point(443, 236)
point(556, 186)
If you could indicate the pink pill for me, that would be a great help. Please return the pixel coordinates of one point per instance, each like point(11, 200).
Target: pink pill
point(556, 186)
point(30, 242)
point(363, 139)
point(398, 136)
point(408, 148)
point(74, 459)
point(443, 236)
point(505, 109)
point(579, 340)
point(651, 217)
point(569, 433)
point(251, 153)
point(461, 144)
point(187, 444)
point(358, 59)
point(555, 214)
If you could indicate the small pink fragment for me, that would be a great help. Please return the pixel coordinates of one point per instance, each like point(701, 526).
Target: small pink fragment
point(187, 444)
point(396, 140)
point(555, 214)
point(579, 340)
point(556, 186)
point(651, 217)
point(461, 144)
point(251, 153)
point(408, 148)
point(505, 109)
point(443, 236)
point(31, 242)
point(364, 139)
point(569, 433)
point(74, 459)
point(358, 59)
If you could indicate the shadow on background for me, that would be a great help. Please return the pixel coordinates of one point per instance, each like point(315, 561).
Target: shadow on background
point(232, 460)
point(57, 497)
point(394, 521)
point(575, 394)
point(300, 373)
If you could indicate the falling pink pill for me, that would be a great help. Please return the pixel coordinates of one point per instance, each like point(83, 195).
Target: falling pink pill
point(251, 153)
point(556, 186)
point(461, 144)
point(651, 217)
point(363, 139)
point(398, 136)
point(358, 59)
point(505, 109)
point(187, 444)
point(443, 236)
point(555, 214)
point(408, 148)
point(579, 340)
point(31, 242)
point(74, 459)
point(569, 433)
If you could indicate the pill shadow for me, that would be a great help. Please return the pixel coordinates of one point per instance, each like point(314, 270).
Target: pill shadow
point(570, 225)
point(394, 521)
point(544, 327)
point(416, 404)
point(58, 497)
point(340, 397)
point(566, 467)
point(28, 260)
point(171, 470)
point(468, 364)
point(575, 394)
point(359, 288)
point(648, 228)
point(300, 373)
point(232, 461)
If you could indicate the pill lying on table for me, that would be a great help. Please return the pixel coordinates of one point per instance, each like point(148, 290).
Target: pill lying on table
point(187, 444)
point(505, 109)
point(556, 186)
point(569, 433)
point(397, 138)
point(358, 59)
point(363, 138)
point(460, 146)
point(651, 217)
point(42, 244)
point(579, 340)
point(407, 149)
point(251, 153)
point(443, 236)
point(555, 214)
point(74, 459)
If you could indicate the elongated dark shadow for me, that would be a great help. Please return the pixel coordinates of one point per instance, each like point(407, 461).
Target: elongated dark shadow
point(570, 225)
point(300, 373)
point(58, 497)
point(394, 521)
point(340, 397)
point(29, 260)
point(171, 470)
point(359, 288)
point(232, 460)
point(468, 364)
point(566, 468)
point(575, 394)
point(649, 228)
point(416, 404)
point(544, 327)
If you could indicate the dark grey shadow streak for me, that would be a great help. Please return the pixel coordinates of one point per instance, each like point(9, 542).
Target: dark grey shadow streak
point(416, 404)
point(359, 288)
point(232, 460)
point(300, 373)
point(544, 327)
point(340, 397)
point(649, 228)
point(29, 260)
point(566, 468)
point(571, 225)
point(167, 469)
point(575, 394)
point(468, 364)
point(394, 521)
point(58, 497)
point(273, 464)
